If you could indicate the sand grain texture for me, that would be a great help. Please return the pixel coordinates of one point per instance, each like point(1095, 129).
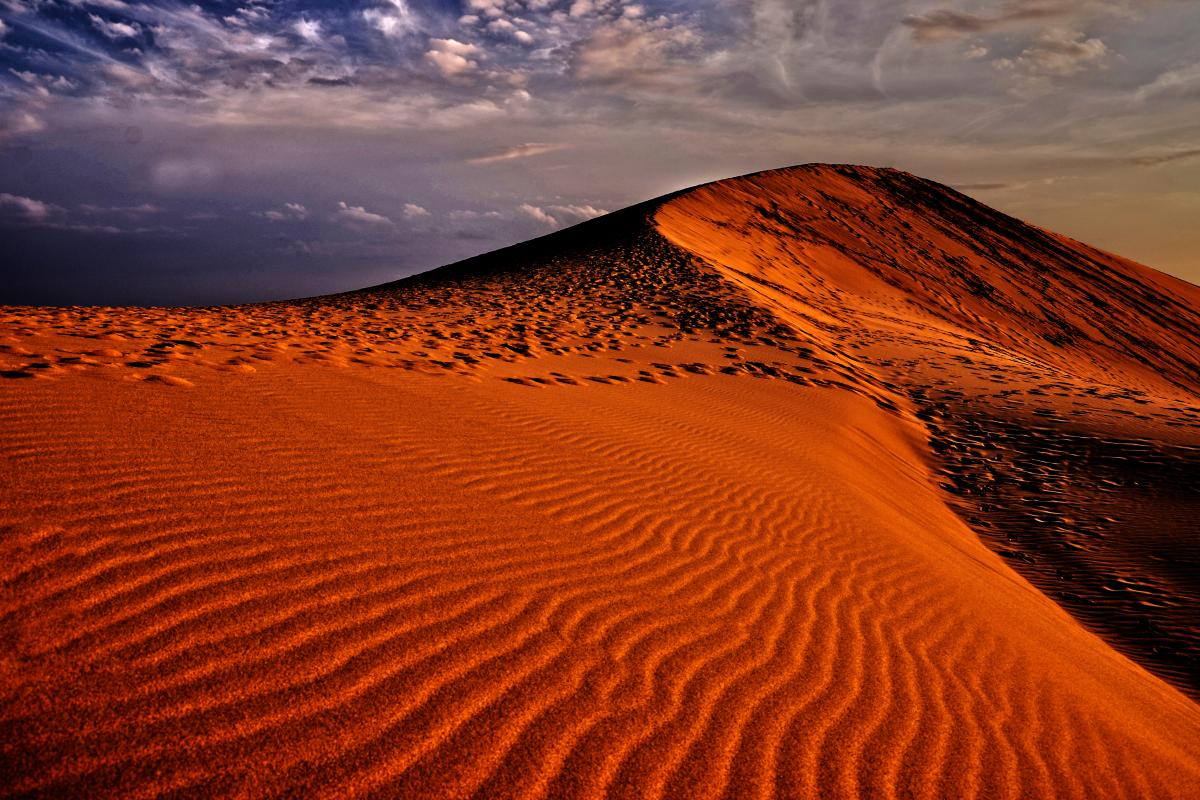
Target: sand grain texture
point(824, 482)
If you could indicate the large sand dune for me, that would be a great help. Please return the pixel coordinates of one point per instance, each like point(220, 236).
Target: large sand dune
point(823, 482)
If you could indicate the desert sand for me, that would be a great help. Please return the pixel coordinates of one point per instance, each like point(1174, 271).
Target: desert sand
point(820, 482)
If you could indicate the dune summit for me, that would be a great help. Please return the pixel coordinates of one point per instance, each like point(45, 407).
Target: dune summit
point(820, 482)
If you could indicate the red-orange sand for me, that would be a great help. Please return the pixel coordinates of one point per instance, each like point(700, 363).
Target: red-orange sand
point(823, 482)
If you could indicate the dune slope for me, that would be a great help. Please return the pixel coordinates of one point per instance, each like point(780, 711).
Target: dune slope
point(824, 482)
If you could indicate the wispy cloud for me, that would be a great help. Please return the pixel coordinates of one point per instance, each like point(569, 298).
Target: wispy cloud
point(526, 150)
point(943, 23)
point(27, 207)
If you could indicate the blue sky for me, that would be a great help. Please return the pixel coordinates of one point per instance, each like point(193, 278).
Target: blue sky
point(161, 152)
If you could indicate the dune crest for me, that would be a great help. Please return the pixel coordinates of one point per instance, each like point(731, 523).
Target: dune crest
point(782, 486)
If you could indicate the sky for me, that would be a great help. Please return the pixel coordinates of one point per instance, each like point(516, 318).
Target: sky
point(216, 152)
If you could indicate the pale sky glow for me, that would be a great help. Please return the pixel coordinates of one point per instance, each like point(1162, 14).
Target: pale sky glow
point(228, 151)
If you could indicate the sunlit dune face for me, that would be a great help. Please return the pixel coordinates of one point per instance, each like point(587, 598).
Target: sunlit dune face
point(827, 482)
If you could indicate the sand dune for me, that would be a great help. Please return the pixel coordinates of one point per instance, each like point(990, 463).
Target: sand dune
point(823, 482)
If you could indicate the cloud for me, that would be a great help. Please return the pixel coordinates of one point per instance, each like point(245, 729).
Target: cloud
point(394, 20)
point(576, 213)
point(1164, 158)
point(30, 209)
point(556, 215)
point(412, 210)
point(357, 215)
point(308, 29)
point(488, 8)
point(138, 210)
point(630, 51)
point(182, 173)
point(461, 215)
point(115, 30)
point(981, 187)
point(1180, 79)
point(450, 57)
point(536, 213)
point(289, 211)
point(526, 150)
point(944, 23)
point(1054, 53)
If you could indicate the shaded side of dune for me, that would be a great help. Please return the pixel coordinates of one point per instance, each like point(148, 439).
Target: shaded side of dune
point(1072, 447)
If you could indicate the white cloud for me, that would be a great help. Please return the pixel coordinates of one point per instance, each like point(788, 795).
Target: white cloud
point(450, 57)
point(30, 209)
point(519, 151)
point(1060, 52)
point(576, 213)
point(290, 211)
point(1173, 80)
point(357, 215)
point(462, 215)
point(488, 8)
point(556, 215)
point(630, 50)
point(115, 30)
point(412, 210)
point(18, 123)
point(536, 213)
point(129, 76)
point(395, 20)
point(1054, 54)
point(308, 29)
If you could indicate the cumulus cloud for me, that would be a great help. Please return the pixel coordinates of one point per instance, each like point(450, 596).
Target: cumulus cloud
point(487, 8)
point(451, 57)
point(1055, 53)
point(289, 212)
point(359, 216)
point(630, 50)
point(537, 214)
point(412, 210)
point(557, 215)
point(115, 30)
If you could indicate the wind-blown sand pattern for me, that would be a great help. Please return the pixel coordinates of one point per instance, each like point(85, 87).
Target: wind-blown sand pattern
point(822, 482)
